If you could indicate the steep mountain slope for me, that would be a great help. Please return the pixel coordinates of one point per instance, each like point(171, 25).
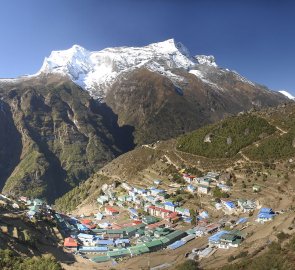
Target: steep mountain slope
point(257, 139)
point(160, 110)
point(54, 136)
point(160, 89)
point(24, 245)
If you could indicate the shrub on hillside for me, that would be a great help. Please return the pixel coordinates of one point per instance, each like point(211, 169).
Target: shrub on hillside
point(216, 145)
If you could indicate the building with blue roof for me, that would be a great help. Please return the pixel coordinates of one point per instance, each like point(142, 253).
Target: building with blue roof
point(187, 219)
point(203, 215)
point(122, 242)
point(133, 211)
point(266, 210)
point(99, 216)
point(88, 249)
point(85, 236)
point(229, 205)
point(169, 206)
point(151, 199)
point(242, 220)
point(177, 244)
point(183, 211)
point(265, 214)
point(103, 242)
point(215, 238)
point(141, 191)
point(82, 227)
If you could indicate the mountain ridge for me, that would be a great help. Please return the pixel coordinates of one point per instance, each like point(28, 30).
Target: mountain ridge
point(61, 133)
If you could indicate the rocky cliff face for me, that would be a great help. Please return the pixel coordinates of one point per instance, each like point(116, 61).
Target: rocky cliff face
point(53, 136)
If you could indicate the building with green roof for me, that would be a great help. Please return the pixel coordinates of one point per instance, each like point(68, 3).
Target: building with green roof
point(172, 237)
point(140, 232)
point(99, 231)
point(131, 231)
point(38, 202)
point(99, 259)
point(138, 249)
point(118, 253)
point(191, 231)
point(154, 245)
point(144, 239)
point(118, 233)
point(149, 220)
point(161, 232)
point(232, 239)
point(165, 241)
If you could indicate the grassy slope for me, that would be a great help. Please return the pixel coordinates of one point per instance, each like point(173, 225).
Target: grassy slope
point(228, 137)
point(281, 144)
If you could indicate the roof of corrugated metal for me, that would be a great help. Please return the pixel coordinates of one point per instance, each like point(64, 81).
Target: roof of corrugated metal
point(176, 244)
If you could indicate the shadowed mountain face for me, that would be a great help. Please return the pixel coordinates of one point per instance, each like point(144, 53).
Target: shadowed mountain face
point(10, 143)
point(54, 135)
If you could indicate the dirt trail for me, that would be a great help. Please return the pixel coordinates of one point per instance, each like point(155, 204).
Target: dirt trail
point(170, 161)
point(281, 130)
point(244, 156)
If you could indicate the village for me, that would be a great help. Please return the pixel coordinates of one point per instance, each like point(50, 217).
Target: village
point(135, 220)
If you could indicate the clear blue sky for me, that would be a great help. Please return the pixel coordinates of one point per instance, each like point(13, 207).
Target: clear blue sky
point(255, 38)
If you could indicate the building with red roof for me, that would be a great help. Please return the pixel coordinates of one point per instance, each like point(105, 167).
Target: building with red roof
point(111, 211)
point(86, 221)
point(158, 211)
point(70, 242)
point(173, 217)
point(161, 223)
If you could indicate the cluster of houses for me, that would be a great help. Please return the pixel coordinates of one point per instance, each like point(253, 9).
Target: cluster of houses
point(237, 206)
point(153, 217)
point(151, 200)
point(139, 237)
point(131, 239)
point(204, 184)
point(35, 208)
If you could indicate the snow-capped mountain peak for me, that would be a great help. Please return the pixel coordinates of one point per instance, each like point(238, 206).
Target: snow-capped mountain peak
point(287, 94)
point(95, 71)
